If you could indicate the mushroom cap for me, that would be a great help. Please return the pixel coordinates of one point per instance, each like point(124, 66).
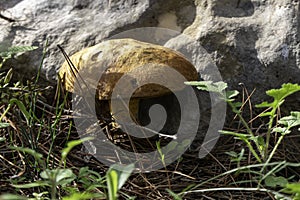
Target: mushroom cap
point(101, 67)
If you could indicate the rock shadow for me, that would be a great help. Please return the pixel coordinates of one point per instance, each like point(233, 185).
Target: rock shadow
point(233, 8)
point(184, 13)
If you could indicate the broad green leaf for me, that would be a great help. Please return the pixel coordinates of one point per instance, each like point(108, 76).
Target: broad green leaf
point(182, 146)
point(38, 157)
point(264, 105)
point(217, 87)
point(12, 197)
point(221, 86)
point(237, 104)
point(16, 49)
point(112, 184)
point(273, 181)
point(198, 83)
point(117, 175)
point(293, 187)
point(266, 114)
point(174, 195)
point(231, 94)
point(281, 130)
point(4, 125)
point(209, 86)
point(48, 174)
point(31, 185)
point(232, 154)
point(171, 146)
point(260, 141)
point(71, 145)
point(236, 157)
point(241, 154)
point(124, 174)
point(186, 142)
point(85, 174)
point(8, 76)
point(285, 90)
point(291, 121)
point(20, 49)
point(239, 135)
point(65, 176)
point(279, 95)
point(204, 88)
point(84, 196)
point(39, 196)
point(61, 176)
point(22, 108)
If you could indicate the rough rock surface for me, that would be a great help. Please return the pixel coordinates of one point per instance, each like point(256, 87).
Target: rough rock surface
point(254, 42)
point(78, 24)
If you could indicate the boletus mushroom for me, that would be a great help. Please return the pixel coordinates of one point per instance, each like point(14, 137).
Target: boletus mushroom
point(107, 62)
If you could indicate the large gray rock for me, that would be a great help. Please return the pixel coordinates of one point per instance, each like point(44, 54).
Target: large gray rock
point(252, 42)
point(77, 24)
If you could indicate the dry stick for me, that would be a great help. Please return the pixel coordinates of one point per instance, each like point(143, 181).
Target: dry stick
point(6, 18)
point(75, 72)
point(73, 69)
point(249, 101)
point(250, 109)
point(231, 177)
point(11, 163)
point(239, 189)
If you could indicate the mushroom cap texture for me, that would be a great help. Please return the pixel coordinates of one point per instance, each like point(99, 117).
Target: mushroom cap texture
point(101, 67)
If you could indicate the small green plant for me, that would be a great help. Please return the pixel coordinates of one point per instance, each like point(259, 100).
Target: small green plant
point(116, 177)
point(14, 93)
point(62, 178)
point(237, 157)
point(7, 96)
point(173, 147)
point(292, 189)
point(257, 144)
point(51, 178)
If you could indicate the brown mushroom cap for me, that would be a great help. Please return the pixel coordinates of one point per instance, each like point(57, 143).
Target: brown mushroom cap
point(105, 63)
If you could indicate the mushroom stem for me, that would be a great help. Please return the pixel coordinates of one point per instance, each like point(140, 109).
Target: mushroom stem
point(134, 109)
point(121, 111)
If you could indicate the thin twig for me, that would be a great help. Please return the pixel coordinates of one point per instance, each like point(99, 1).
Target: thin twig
point(7, 18)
